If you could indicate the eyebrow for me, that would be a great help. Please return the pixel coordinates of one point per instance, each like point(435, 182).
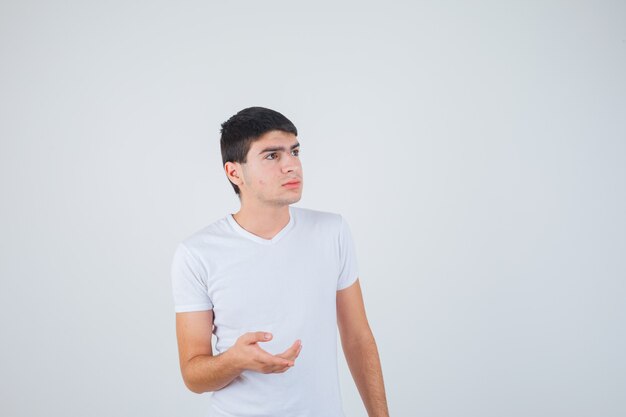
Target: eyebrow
point(279, 148)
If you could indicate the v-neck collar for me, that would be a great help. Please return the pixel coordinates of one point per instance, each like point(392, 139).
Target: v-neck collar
point(259, 239)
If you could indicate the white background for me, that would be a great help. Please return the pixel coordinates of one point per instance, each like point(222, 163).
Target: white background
point(477, 150)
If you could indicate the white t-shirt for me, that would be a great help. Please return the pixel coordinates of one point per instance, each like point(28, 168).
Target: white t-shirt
point(286, 285)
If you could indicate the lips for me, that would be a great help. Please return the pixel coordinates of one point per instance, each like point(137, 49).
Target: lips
point(292, 182)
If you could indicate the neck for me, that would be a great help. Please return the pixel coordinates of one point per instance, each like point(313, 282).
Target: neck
point(262, 220)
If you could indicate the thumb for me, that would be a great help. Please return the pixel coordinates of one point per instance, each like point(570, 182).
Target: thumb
point(260, 337)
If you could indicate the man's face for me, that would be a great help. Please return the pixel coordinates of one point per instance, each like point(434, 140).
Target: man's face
point(272, 161)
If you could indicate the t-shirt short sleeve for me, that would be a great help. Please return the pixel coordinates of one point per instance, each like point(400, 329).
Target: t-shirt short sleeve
point(347, 255)
point(189, 282)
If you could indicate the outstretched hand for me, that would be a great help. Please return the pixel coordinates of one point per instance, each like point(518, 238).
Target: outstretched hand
point(252, 357)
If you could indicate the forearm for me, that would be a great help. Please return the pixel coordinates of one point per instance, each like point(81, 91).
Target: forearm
point(206, 373)
point(364, 363)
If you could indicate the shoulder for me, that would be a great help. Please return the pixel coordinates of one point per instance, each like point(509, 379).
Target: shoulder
point(319, 218)
point(208, 235)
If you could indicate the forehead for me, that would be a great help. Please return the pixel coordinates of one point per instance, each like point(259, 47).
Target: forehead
point(274, 137)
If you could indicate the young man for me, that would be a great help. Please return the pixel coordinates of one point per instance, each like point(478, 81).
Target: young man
point(273, 283)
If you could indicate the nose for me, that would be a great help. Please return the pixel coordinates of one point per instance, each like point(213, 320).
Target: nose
point(291, 163)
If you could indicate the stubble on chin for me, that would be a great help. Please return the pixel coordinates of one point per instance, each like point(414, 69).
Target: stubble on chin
point(282, 201)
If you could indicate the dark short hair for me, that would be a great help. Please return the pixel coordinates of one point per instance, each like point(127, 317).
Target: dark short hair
point(248, 125)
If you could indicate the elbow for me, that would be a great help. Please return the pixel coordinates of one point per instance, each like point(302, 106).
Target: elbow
point(194, 387)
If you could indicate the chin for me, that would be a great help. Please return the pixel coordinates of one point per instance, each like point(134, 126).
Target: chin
point(291, 200)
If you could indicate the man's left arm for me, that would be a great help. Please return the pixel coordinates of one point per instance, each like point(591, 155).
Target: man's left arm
point(360, 350)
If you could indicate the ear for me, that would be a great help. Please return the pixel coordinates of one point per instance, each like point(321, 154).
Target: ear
point(233, 170)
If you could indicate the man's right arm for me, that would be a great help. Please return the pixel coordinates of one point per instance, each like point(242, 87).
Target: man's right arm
point(201, 371)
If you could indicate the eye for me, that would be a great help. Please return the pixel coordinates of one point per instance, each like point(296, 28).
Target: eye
point(273, 153)
point(297, 152)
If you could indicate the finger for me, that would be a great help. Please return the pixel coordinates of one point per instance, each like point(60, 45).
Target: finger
point(269, 359)
point(295, 354)
point(253, 337)
point(280, 371)
point(293, 349)
point(285, 368)
point(291, 359)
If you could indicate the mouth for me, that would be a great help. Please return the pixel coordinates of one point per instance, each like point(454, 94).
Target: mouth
point(292, 184)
